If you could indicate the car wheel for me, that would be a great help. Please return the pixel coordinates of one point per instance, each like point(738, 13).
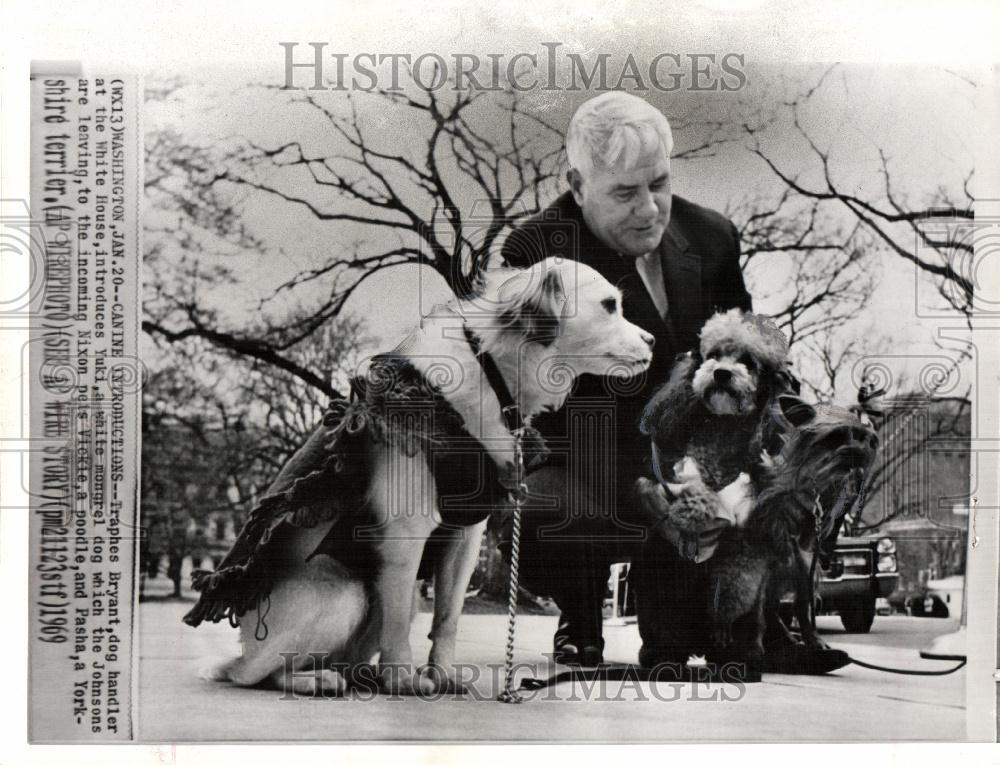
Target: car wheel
point(857, 617)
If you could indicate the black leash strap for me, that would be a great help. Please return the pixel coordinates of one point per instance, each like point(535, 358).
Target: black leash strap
point(509, 407)
point(893, 670)
point(654, 454)
point(676, 674)
point(684, 674)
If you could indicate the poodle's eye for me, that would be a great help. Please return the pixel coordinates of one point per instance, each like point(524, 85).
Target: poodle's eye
point(609, 304)
point(713, 355)
point(748, 361)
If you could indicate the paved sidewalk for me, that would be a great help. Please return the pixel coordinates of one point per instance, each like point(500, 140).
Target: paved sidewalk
point(852, 704)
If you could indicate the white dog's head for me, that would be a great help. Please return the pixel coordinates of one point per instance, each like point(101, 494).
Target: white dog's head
point(740, 355)
point(564, 312)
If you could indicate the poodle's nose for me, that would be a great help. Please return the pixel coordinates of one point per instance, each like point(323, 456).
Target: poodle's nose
point(647, 338)
point(722, 376)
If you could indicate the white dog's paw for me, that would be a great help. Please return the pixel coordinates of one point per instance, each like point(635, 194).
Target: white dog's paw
point(327, 682)
point(405, 680)
point(445, 677)
point(217, 673)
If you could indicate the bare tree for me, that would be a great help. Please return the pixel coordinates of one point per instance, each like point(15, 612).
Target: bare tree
point(472, 164)
point(200, 463)
point(837, 357)
point(415, 199)
point(290, 408)
point(812, 271)
point(217, 429)
point(469, 166)
point(926, 233)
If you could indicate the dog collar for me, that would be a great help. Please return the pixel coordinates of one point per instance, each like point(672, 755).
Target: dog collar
point(511, 411)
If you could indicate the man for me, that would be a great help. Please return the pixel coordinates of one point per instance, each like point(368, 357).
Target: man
point(677, 264)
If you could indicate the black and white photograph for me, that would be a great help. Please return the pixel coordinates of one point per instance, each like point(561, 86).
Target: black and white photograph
point(571, 383)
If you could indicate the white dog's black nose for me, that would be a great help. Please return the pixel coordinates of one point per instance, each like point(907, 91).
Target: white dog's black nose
point(722, 376)
point(647, 338)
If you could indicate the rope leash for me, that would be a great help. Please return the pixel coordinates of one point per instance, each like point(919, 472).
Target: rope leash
point(509, 694)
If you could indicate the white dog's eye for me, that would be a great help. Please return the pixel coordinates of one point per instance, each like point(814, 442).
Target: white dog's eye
point(609, 304)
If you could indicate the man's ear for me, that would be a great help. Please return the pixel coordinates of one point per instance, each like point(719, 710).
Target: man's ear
point(575, 180)
point(796, 411)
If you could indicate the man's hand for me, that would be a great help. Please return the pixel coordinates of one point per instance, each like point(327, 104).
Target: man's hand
point(736, 499)
point(534, 448)
point(697, 545)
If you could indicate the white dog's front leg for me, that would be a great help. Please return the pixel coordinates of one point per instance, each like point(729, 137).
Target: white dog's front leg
point(452, 573)
point(400, 560)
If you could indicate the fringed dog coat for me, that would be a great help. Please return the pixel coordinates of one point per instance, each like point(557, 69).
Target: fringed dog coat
point(328, 480)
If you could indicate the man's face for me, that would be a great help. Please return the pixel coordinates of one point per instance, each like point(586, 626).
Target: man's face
point(628, 210)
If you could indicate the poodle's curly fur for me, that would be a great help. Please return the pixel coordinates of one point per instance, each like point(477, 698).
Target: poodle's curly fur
point(751, 332)
point(681, 423)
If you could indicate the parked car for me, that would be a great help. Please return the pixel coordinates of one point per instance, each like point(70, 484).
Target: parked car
point(863, 569)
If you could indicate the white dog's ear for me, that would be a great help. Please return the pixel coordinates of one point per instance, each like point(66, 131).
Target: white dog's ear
point(554, 291)
point(539, 313)
point(796, 411)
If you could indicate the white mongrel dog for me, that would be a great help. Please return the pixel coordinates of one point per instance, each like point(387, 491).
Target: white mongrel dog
point(371, 514)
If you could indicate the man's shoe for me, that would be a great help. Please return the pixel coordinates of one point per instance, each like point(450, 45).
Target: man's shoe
point(565, 651)
point(571, 656)
point(573, 650)
point(800, 659)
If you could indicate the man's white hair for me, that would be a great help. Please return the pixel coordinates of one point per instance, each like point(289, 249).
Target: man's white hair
point(616, 129)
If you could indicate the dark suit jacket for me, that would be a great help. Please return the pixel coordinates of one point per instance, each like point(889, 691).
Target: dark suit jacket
point(700, 251)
